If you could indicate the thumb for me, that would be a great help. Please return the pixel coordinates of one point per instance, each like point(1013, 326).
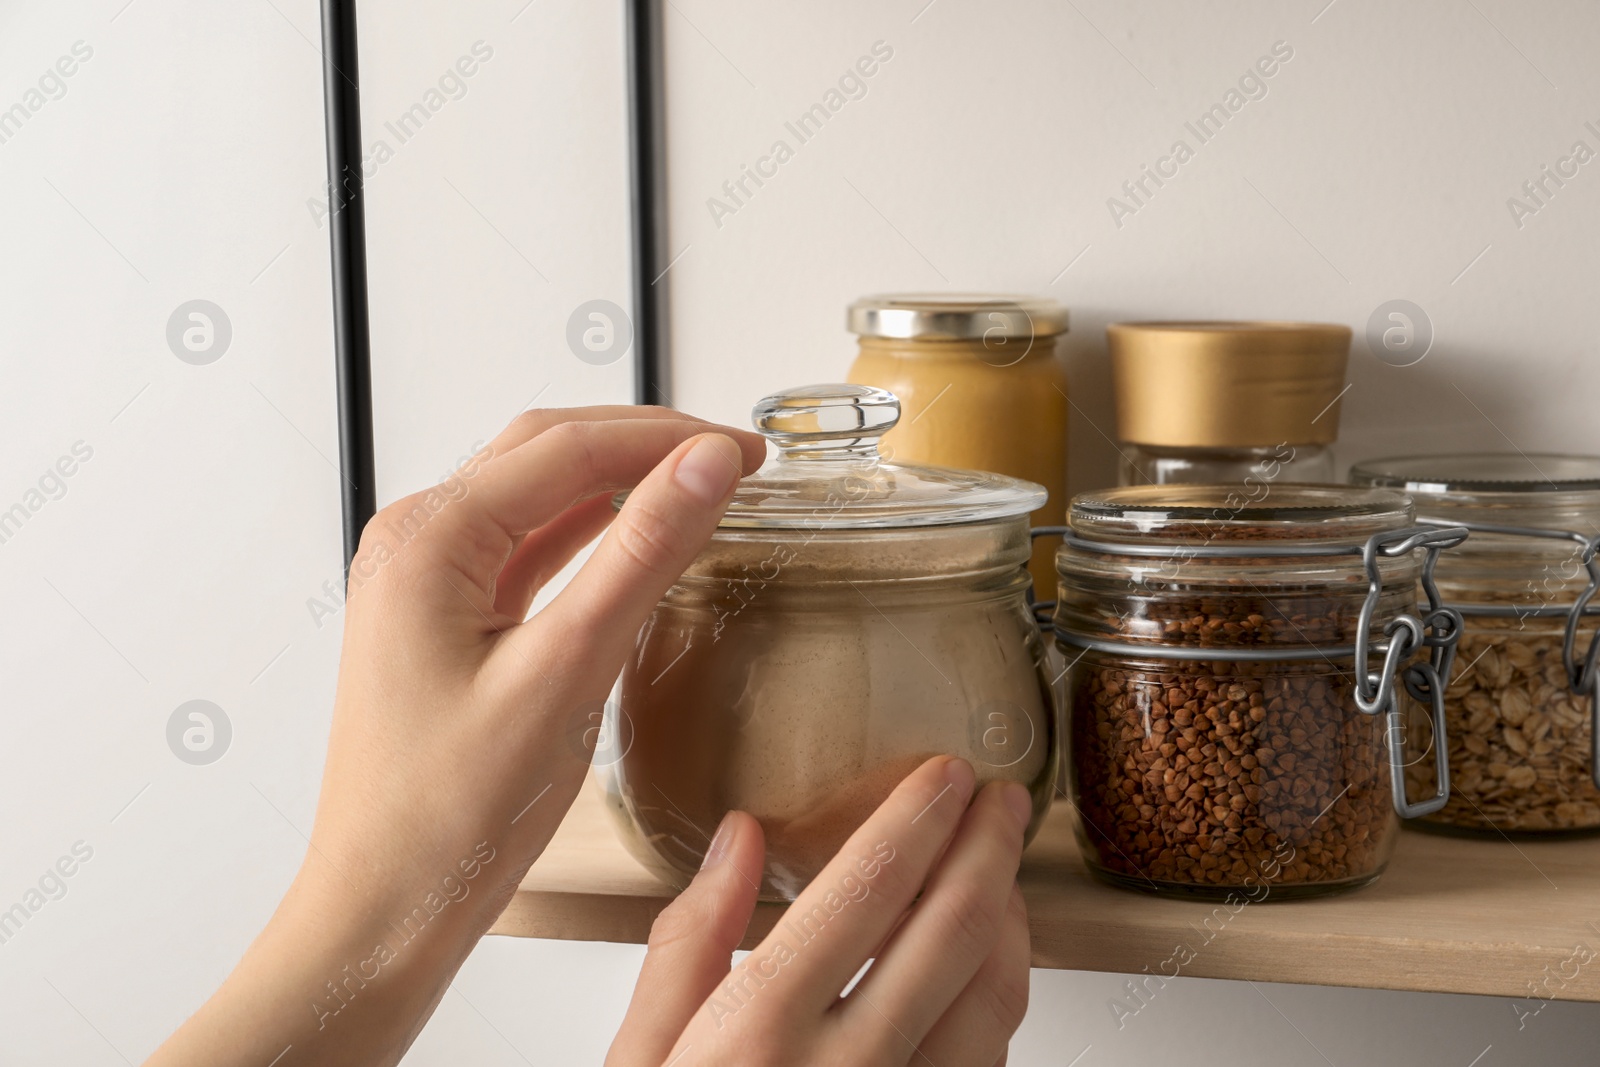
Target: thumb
point(691, 945)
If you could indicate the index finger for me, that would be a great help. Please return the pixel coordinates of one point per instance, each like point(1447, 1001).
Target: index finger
point(848, 910)
point(531, 423)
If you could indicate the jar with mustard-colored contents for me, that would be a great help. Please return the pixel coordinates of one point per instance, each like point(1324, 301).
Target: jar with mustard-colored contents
point(982, 387)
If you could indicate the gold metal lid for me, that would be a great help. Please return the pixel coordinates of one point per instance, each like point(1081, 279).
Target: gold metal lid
point(1228, 384)
point(955, 316)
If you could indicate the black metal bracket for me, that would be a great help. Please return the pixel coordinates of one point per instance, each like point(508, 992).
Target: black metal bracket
point(341, 83)
point(647, 165)
point(347, 219)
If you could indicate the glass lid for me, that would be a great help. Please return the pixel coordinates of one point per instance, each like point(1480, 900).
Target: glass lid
point(1205, 512)
point(1482, 472)
point(828, 473)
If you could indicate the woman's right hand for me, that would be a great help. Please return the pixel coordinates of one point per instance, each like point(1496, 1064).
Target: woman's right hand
point(949, 980)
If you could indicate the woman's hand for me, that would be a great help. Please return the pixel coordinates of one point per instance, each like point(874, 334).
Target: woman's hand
point(949, 979)
point(459, 729)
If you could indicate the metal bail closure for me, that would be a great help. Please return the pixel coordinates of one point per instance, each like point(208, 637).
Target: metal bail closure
point(1421, 681)
point(1594, 734)
point(1419, 676)
point(1581, 676)
point(1376, 691)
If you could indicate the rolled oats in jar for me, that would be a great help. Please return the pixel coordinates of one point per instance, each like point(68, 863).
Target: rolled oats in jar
point(1519, 710)
point(1224, 736)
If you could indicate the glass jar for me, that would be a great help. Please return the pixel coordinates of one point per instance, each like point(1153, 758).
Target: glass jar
point(982, 387)
point(1250, 470)
point(850, 618)
point(1520, 714)
point(1242, 404)
point(1226, 720)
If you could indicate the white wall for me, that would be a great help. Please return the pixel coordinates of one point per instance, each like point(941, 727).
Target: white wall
point(178, 563)
point(1377, 167)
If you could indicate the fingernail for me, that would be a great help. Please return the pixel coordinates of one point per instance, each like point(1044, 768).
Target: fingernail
point(1020, 803)
point(718, 849)
point(709, 469)
point(958, 772)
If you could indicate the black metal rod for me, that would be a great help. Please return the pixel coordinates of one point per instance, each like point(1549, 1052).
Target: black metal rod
point(341, 89)
point(648, 196)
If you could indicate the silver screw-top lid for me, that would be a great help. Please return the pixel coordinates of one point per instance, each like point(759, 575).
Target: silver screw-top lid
point(956, 316)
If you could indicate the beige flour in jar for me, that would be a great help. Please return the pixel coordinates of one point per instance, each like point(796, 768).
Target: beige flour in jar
point(813, 701)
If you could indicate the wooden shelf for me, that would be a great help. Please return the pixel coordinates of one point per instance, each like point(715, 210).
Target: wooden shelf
point(1449, 916)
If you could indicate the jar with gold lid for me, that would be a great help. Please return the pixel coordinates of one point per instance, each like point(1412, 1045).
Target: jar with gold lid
point(1243, 404)
point(982, 387)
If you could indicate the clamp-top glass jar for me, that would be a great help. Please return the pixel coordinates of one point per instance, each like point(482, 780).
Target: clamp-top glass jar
point(850, 618)
point(1237, 680)
point(1520, 716)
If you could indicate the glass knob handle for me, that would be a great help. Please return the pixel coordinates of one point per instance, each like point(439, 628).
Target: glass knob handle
point(827, 418)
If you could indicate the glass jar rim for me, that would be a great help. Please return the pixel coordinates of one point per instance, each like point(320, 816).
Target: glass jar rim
point(1478, 473)
point(1185, 514)
point(1301, 557)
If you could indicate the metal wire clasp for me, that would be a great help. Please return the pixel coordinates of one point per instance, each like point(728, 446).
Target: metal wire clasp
point(1439, 630)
